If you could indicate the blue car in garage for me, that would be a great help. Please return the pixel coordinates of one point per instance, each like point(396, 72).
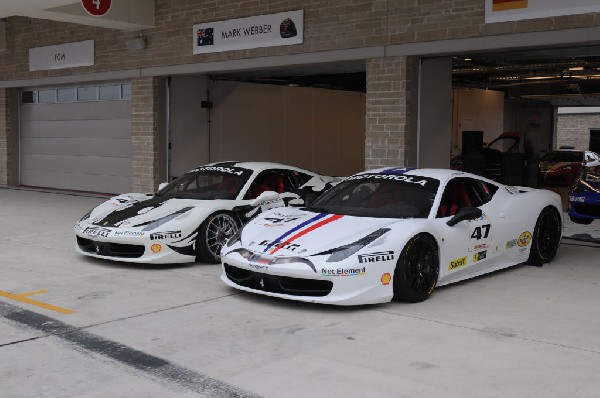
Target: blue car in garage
point(584, 196)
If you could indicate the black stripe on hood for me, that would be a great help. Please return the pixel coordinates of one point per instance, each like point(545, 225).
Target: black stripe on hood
point(117, 217)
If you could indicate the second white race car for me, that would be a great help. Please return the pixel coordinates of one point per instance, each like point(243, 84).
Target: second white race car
point(393, 234)
point(190, 218)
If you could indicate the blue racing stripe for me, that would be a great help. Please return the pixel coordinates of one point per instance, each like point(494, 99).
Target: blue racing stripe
point(296, 228)
point(398, 170)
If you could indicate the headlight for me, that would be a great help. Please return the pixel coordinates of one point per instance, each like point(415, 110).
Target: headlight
point(343, 252)
point(86, 216)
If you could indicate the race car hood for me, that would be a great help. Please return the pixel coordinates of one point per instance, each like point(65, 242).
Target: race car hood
point(292, 232)
point(144, 211)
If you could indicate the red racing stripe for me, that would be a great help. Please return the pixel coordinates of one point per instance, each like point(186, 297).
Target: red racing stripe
point(307, 230)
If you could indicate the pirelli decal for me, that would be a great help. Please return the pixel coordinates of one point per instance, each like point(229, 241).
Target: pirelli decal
point(459, 262)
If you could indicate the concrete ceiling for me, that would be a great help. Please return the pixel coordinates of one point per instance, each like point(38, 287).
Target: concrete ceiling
point(123, 14)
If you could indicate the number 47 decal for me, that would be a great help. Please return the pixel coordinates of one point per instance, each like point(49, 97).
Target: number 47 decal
point(481, 232)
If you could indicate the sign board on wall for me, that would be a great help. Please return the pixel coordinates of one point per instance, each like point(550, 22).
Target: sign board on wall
point(514, 10)
point(61, 56)
point(281, 29)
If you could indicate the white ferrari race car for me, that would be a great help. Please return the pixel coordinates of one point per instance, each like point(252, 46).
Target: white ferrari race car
point(392, 234)
point(190, 218)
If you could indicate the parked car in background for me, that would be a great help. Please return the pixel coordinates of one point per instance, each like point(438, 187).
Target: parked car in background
point(584, 197)
point(560, 168)
point(192, 217)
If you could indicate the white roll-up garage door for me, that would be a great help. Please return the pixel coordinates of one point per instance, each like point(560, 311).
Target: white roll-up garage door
point(77, 138)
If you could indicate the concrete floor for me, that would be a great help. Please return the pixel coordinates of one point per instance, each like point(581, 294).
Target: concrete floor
point(177, 331)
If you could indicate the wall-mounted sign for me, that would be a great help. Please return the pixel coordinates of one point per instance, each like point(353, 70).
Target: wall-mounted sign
point(62, 56)
point(96, 8)
point(514, 10)
point(281, 29)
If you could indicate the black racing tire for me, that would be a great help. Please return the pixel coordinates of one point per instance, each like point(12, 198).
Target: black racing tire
point(212, 235)
point(584, 221)
point(546, 236)
point(417, 270)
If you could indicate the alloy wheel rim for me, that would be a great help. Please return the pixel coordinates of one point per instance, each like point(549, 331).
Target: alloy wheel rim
point(218, 231)
point(421, 268)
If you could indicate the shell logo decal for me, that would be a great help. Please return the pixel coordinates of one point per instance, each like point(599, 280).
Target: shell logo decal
point(524, 239)
point(386, 279)
point(156, 248)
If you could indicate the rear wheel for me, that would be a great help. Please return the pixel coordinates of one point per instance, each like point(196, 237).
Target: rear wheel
point(584, 221)
point(546, 236)
point(417, 270)
point(213, 234)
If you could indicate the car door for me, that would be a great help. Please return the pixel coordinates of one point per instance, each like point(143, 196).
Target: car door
point(468, 245)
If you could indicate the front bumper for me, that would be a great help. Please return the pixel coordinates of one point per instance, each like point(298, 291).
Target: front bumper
point(297, 281)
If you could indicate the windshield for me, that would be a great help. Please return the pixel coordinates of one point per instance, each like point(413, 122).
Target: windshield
point(208, 182)
point(380, 195)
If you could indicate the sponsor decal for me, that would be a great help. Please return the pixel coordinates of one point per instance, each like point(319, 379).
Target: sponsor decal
point(511, 243)
point(479, 256)
point(580, 199)
point(280, 245)
point(395, 177)
point(386, 279)
point(129, 234)
point(524, 239)
point(156, 248)
point(375, 257)
point(300, 230)
point(399, 170)
point(481, 246)
point(230, 170)
point(459, 262)
point(78, 228)
point(100, 232)
point(344, 271)
point(165, 235)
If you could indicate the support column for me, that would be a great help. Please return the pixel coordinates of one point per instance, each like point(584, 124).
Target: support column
point(5, 138)
point(145, 134)
point(387, 106)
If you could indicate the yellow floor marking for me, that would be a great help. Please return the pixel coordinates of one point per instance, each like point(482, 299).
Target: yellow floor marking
point(24, 299)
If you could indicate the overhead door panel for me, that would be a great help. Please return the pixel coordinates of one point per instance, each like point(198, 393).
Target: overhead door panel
point(78, 146)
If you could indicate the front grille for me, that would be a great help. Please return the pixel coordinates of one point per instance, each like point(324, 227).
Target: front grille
point(590, 210)
point(110, 249)
point(278, 284)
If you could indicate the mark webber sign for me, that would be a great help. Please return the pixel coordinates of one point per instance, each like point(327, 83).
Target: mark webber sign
point(281, 29)
point(96, 8)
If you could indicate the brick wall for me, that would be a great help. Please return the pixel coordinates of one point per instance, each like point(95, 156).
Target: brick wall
point(144, 134)
point(329, 25)
point(4, 138)
point(574, 130)
point(386, 112)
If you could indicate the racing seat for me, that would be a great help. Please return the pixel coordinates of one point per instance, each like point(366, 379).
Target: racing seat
point(455, 198)
point(270, 182)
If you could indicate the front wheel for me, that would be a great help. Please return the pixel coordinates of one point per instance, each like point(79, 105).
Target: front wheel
point(213, 234)
point(546, 236)
point(417, 270)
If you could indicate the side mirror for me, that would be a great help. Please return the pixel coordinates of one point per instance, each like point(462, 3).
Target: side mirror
point(266, 196)
point(162, 185)
point(464, 214)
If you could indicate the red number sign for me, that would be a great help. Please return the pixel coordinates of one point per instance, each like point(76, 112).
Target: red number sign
point(96, 8)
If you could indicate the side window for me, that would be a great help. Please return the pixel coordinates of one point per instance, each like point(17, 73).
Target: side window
point(269, 180)
point(464, 192)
